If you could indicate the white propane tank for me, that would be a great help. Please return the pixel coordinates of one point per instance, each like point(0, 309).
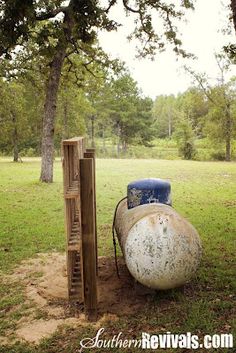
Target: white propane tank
point(162, 250)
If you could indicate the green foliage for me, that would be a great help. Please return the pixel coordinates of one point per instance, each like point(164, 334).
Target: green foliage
point(220, 119)
point(111, 106)
point(160, 149)
point(215, 126)
point(72, 110)
point(124, 121)
point(194, 106)
point(168, 110)
point(218, 155)
point(21, 113)
point(164, 115)
point(20, 17)
point(12, 114)
point(17, 18)
point(120, 111)
point(145, 121)
point(130, 113)
point(105, 104)
point(83, 17)
point(185, 139)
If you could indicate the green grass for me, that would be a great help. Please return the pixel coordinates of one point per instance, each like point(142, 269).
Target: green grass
point(32, 221)
point(206, 150)
point(160, 148)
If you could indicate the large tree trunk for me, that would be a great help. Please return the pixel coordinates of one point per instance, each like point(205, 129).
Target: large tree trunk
point(52, 86)
point(233, 8)
point(15, 140)
point(50, 113)
point(65, 121)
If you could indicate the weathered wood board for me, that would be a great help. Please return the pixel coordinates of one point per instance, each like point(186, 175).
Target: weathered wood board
point(80, 223)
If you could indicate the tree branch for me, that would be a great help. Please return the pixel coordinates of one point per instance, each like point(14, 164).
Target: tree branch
point(125, 3)
point(86, 66)
point(112, 3)
point(51, 14)
point(201, 84)
point(72, 69)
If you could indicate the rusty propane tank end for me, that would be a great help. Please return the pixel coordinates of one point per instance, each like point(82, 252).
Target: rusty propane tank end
point(162, 250)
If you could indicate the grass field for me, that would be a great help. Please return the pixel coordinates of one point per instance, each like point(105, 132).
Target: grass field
point(160, 149)
point(32, 221)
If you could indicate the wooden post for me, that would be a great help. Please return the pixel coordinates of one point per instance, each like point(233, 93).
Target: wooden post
point(80, 223)
point(88, 237)
point(72, 222)
point(90, 153)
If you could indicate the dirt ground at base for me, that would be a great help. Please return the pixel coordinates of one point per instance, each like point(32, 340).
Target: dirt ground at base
point(45, 281)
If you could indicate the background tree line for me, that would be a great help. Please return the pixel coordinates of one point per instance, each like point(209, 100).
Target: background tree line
point(109, 106)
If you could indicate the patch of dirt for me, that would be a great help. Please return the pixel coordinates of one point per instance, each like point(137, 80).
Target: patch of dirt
point(35, 330)
point(45, 281)
point(230, 203)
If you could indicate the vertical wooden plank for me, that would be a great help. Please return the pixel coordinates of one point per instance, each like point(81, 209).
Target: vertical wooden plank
point(66, 167)
point(70, 255)
point(73, 151)
point(90, 153)
point(71, 169)
point(76, 157)
point(88, 238)
point(80, 145)
point(79, 155)
point(83, 146)
point(74, 162)
point(69, 271)
point(66, 211)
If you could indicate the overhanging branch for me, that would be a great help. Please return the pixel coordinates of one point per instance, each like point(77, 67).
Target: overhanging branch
point(112, 3)
point(51, 14)
point(125, 3)
point(199, 80)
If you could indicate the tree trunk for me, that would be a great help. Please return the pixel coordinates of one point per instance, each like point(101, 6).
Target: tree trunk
point(65, 121)
point(50, 113)
point(124, 147)
point(233, 8)
point(52, 86)
point(228, 127)
point(15, 140)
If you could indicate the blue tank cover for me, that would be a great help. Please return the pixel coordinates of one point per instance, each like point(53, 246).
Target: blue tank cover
point(145, 191)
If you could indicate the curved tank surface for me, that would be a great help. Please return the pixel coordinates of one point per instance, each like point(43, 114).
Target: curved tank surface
point(162, 250)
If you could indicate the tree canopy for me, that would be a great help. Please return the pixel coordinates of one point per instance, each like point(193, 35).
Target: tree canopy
point(56, 30)
point(64, 83)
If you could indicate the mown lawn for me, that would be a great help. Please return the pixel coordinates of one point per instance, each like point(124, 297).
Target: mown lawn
point(32, 221)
